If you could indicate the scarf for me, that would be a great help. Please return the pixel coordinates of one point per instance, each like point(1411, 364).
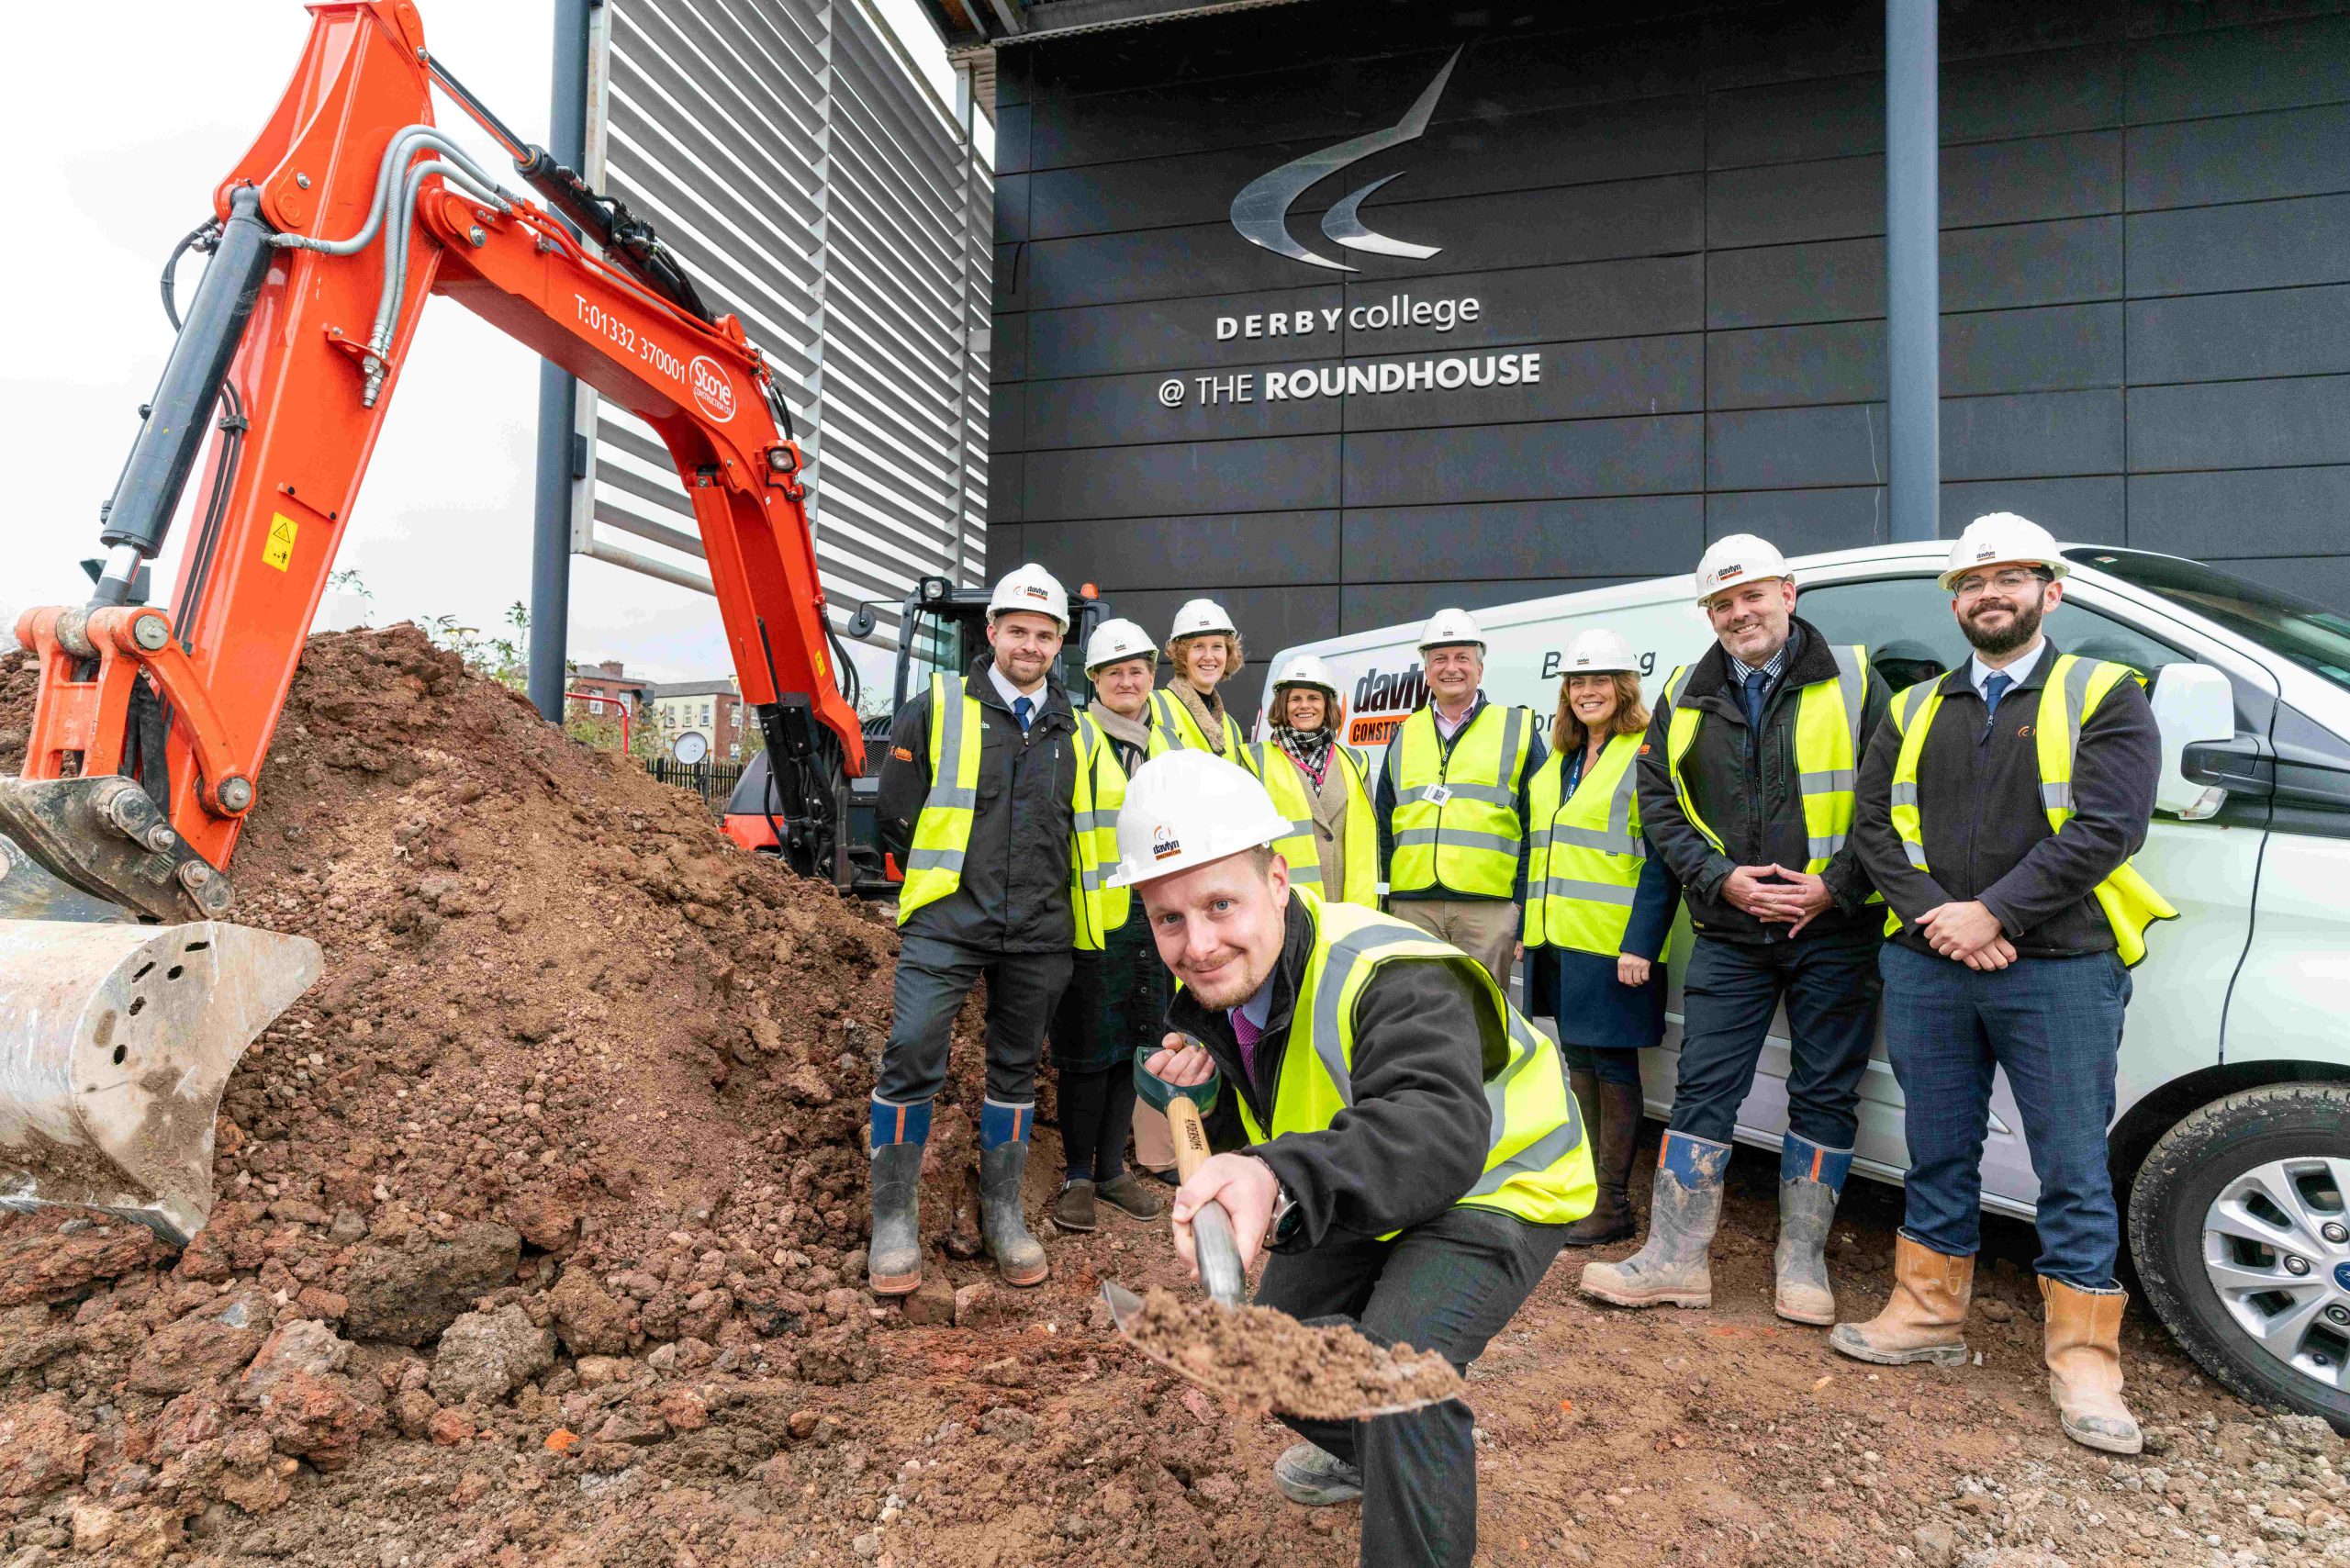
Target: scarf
point(1310, 749)
point(1131, 737)
point(1207, 711)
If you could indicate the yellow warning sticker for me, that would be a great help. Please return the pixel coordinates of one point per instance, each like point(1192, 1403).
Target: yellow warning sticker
point(279, 551)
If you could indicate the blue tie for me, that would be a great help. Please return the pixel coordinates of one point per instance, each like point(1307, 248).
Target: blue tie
point(1758, 682)
point(1994, 685)
point(1022, 707)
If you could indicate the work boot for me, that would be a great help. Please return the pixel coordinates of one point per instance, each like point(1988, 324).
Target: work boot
point(2084, 1348)
point(1925, 1318)
point(1073, 1210)
point(1811, 1178)
point(1003, 1164)
point(1613, 1124)
point(1672, 1269)
point(1129, 1196)
point(1315, 1477)
point(893, 1261)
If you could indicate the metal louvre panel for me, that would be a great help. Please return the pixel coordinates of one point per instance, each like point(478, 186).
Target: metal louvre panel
point(816, 189)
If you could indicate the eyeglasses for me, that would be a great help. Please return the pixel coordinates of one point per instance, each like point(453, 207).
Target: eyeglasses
point(2014, 580)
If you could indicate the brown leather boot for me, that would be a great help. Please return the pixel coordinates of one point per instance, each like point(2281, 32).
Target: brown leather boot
point(1925, 1320)
point(2085, 1366)
point(1615, 1131)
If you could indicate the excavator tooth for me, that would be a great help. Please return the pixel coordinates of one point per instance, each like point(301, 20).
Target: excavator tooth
point(116, 1042)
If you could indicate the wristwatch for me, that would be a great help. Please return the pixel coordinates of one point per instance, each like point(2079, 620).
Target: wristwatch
point(1283, 1221)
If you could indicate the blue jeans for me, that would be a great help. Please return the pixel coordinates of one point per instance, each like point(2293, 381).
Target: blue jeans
point(2055, 1024)
point(1830, 986)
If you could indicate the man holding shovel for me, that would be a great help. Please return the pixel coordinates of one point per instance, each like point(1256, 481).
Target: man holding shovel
point(1402, 1141)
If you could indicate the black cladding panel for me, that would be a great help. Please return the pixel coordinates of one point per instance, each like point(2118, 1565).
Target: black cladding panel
point(1675, 221)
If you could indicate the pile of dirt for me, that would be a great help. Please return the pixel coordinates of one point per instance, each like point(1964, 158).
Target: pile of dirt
point(1265, 1360)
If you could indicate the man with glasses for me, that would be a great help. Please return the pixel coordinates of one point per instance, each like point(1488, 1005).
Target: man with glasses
point(1997, 814)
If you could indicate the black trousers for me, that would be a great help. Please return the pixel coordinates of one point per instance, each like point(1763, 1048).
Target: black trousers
point(1830, 986)
point(1448, 1285)
point(933, 979)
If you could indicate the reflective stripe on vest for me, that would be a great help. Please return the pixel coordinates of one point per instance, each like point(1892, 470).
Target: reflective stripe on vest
point(1173, 728)
point(1584, 852)
point(1456, 822)
point(943, 832)
point(2074, 689)
point(1293, 797)
point(1828, 746)
point(1537, 1162)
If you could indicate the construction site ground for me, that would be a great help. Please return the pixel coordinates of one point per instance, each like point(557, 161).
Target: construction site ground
point(540, 1240)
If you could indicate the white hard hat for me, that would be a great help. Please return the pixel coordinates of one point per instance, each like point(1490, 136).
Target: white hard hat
point(1115, 641)
point(1034, 589)
point(1197, 618)
point(1307, 669)
point(2000, 538)
point(1601, 651)
point(1737, 559)
point(1446, 627)
point(1186, 809)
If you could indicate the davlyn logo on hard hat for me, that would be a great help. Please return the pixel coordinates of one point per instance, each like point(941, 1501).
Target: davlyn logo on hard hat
point(1032, 591)
point(1164, 844)
point(1261, 212)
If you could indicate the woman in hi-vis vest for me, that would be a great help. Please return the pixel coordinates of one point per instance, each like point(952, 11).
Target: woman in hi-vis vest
point(1186, 714)
point(1598, 911)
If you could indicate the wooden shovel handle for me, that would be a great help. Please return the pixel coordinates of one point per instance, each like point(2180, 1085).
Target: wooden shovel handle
point(1190, 1138)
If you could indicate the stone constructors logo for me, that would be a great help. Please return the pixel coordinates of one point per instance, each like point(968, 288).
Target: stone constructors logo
point(712, 389)
point(1261, 212)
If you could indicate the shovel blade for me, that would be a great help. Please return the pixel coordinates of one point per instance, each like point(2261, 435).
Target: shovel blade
point(116, 1042)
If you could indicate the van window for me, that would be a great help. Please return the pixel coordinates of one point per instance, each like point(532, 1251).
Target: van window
point(1906, 626)
point(2309, 635)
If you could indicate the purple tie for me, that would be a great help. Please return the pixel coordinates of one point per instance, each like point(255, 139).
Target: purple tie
point(1247, 1035)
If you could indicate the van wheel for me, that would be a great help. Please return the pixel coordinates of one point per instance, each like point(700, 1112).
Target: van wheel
point(2240, 1228)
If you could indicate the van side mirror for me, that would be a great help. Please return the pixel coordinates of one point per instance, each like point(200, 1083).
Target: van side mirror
point(2193, 703)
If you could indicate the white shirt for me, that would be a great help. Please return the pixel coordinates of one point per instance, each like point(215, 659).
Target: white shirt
point(1449, 727)
point(2017, 668)
point(1008, 691)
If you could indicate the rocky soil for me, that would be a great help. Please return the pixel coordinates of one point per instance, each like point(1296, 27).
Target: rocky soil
point(540, 1241)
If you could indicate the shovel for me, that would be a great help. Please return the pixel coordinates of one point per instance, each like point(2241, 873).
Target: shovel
point(1220, 1273)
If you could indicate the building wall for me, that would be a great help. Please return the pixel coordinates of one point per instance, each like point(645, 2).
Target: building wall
point(2146, 291)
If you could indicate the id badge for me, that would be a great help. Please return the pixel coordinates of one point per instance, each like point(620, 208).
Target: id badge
point(1436, 795)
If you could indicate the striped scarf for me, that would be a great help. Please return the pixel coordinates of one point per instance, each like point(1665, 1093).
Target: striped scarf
point(1310, 749)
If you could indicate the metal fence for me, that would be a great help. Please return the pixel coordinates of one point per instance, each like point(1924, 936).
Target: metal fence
point(714, 781)
point(819, 191)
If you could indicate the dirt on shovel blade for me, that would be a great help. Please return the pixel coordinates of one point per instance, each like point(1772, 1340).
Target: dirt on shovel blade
point(1266, 1361)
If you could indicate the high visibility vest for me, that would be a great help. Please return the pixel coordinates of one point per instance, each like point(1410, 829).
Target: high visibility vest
point(1302, 847)
point(2072, 692)
point(1584, 852)
point(943, 832)
point(1172, 728)
point(1537, 1161)
point(1828, 749)
point(1456, 821)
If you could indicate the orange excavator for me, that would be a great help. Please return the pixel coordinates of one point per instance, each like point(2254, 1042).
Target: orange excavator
point(126, 994)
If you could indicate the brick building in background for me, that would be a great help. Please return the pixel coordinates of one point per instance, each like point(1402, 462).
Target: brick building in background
point(709, 708)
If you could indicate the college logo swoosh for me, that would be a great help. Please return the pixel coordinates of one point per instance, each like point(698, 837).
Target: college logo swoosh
point(1261, 212)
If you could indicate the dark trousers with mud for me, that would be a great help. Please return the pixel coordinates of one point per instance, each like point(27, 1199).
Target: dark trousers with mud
point(933, 979)
point(1448, 1285)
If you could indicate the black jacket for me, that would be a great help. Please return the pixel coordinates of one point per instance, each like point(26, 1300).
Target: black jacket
point(1414, 1142)
point(1750, 795)
point(1384, 804)
point(1015, 895)
point(1987, 836)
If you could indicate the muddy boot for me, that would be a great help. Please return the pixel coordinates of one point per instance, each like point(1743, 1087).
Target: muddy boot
point(1314, 1476)
point(1811, 1178)
point(893, 1261)
point(1615, 1128)
point(2084, 1349)
point(1003, 1164)
point(1073, 1210)
point(1672, 1269)
point(1130, 1197)
point(1926, 1318)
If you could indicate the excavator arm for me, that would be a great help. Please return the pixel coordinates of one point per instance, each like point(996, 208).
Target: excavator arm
point(150, 724)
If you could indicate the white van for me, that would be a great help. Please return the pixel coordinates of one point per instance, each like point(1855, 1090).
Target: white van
point(2232, 1143)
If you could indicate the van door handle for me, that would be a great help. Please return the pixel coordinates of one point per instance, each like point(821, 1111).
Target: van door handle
point(2240, 766)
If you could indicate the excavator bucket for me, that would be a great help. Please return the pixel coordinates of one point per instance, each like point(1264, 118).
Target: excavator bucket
point(116, 1042)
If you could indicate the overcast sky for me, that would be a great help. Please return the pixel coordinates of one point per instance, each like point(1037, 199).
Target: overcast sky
point(120, 121)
